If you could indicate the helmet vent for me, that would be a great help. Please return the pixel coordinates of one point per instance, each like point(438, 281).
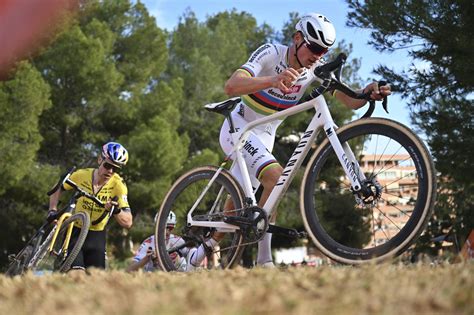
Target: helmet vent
point(321, 35)
point(311, 30)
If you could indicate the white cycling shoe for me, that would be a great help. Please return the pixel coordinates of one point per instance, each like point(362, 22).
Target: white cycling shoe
point(267, 265)
point(189, 265)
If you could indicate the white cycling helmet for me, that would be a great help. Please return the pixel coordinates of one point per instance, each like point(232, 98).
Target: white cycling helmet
point(317, 29)
point(171, 220)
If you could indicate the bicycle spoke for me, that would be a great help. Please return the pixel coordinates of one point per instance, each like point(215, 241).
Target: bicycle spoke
point(402, 211)
point(375, 155)
point(383, 213)
point(219, 198)
point(398, 179)
point(383, 152)
point(393, 165)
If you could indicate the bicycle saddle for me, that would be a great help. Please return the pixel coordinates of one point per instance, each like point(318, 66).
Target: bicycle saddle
point(224, 107)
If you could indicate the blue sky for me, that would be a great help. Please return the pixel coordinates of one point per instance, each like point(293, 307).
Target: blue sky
point(276, 13)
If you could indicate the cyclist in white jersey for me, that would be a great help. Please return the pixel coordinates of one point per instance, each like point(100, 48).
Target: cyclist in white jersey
point(145, 256)
point(273, 79)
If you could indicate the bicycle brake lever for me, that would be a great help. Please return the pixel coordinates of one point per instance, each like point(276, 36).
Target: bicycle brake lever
point(370, 111)
point(384, 104)
point(385, 99)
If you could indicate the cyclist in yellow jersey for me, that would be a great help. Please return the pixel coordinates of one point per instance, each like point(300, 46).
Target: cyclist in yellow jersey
point(109, 187)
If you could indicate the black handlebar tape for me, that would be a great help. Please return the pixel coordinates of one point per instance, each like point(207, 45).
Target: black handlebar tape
point(331, 66)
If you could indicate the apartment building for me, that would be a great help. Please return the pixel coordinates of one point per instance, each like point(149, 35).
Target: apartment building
point(397, 176)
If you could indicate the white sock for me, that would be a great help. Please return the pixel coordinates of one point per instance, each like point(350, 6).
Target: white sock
point(197, 256)
point(264, 253)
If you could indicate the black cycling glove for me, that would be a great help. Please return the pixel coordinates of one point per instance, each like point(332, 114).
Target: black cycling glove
point(52, 215)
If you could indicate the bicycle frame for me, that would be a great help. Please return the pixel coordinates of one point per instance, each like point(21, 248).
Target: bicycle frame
point(63, 217)
point(54, 234)
point(321, 119)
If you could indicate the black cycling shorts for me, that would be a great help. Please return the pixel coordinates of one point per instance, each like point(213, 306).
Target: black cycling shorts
point(92, 253)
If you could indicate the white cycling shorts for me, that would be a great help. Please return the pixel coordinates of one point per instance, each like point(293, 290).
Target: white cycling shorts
point(258, 147)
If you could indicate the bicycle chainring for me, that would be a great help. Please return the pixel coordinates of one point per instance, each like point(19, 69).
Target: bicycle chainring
point(259, 224)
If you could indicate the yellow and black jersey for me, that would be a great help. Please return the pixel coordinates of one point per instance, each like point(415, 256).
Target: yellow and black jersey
point(115, 187)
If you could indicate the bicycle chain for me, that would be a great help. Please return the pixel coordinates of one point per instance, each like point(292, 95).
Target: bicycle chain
point(234, 246)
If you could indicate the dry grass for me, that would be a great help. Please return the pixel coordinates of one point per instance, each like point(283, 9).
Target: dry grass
point(382, 289)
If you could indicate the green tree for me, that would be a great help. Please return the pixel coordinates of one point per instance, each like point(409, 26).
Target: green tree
point(23, 98)
point(103, 80)
point(438, 37)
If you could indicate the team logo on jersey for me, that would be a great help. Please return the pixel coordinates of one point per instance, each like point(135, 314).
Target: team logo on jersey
point(295, 89)
point(250, 148)
point(269, 129)
point(125, 199)
point(241, 111)
point(261, 49)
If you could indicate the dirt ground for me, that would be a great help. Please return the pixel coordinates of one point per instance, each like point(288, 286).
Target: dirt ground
point(380, 289)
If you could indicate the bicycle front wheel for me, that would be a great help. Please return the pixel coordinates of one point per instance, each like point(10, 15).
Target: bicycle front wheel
point(399, 172)
point(61, 257)
point(181, 198)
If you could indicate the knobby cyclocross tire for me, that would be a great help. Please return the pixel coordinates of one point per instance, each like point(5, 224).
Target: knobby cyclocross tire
point(400, 166)
point(57, 262)
point(180, 199)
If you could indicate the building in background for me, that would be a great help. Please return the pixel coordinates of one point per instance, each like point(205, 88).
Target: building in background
point(397, 175)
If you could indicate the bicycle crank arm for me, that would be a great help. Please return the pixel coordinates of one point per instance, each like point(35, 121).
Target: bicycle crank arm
point(292, 233)
point(190, 243)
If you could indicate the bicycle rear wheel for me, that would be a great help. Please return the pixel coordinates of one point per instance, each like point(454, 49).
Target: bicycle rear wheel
point(400, 173)
point(20, 261)
point(181, 198)
point(61, 258)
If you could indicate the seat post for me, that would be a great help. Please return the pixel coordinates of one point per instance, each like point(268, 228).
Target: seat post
point(231, 123)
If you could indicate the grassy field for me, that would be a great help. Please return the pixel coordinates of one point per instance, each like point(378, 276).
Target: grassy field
point(381, 289)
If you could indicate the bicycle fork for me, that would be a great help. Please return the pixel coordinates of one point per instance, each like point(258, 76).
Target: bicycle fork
point(65, 246)
point(346, 158)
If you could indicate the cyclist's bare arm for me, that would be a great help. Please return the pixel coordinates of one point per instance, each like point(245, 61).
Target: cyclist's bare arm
point(136, 265)
point(378, 93)
point(54, 199)
point(241, 83)
point(124, 218)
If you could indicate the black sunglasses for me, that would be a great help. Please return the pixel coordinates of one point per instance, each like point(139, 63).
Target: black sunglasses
point(109, 166)
point(316, 49)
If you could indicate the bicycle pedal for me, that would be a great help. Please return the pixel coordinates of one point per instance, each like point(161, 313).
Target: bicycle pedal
point(302, 234)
